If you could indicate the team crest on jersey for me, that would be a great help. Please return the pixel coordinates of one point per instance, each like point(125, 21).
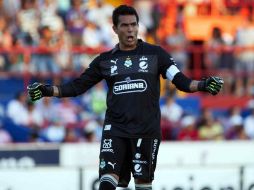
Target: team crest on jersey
point(128, 62)
point(102, 164)
point(143, 65)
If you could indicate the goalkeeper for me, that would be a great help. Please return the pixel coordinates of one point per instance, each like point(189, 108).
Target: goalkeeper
point(131, 131)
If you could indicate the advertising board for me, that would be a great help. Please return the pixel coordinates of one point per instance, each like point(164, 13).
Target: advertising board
point(39, 179)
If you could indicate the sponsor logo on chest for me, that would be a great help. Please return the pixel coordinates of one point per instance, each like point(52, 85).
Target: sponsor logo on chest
point(129, 86)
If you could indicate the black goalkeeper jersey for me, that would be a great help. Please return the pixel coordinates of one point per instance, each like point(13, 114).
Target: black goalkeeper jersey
point(133, 80)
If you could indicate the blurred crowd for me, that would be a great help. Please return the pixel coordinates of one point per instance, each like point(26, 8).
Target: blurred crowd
point(56, 36)
point(54, 120)
point(231, 124)
point(53, 28)
point(81, 120)
point(52, 36)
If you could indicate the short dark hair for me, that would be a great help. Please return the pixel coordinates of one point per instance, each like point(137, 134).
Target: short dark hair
point(123, 10)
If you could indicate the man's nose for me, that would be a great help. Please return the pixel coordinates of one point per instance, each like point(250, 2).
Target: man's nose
point(130, 28)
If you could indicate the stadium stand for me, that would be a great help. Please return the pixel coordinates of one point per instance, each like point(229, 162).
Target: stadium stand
point(53, 48)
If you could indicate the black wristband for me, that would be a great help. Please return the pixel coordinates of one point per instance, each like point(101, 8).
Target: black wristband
point(182, 82)
point(48, 91)
point(201, 86)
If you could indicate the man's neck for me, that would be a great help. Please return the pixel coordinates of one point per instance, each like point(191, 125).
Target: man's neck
point(127, 48)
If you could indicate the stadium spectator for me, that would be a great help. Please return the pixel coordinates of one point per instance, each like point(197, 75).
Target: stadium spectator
point(9, 9)
point(180, 16)
point(250, 86)
point(60, 38)
point(28, 22)
point(67, 111)
point(44, 62)
point(171, 111)
point(98, 100)
point(239, 87)
point(55, 132)
point(249, 124)
point(17, 110)
point(5, 137)
point(171, 114)
point(62, 9)
point(214, 45)
point(100, 13)
point(245, 57)
point(6, 39)
point(76, 18)
point(144, 9)
point(234, 117)
point(63, 56)
point(71, 135)
point(49, 16)
point(177, 43)
point(210, 129)
point(22, 112)
point(219, 56)
point(150, 15)
point(35, 119)
point(91, 36)
point(46, 107)
point(91, 132)
point(188, 130)
point(95, 100)
point(236, 130)
point(6, 43)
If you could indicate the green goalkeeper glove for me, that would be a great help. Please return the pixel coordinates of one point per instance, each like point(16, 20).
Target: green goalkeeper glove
point(38, 90)
point(211, 84)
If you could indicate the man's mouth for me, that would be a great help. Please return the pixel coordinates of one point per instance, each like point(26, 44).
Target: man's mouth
point(130, 38)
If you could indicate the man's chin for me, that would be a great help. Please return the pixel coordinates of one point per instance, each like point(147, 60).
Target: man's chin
point(131, 43)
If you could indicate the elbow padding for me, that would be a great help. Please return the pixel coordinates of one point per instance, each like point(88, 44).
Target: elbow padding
point(182, 82)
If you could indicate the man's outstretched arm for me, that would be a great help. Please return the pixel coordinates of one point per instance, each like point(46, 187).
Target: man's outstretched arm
point(212, 84)
point(77, 86)
point(38, 90)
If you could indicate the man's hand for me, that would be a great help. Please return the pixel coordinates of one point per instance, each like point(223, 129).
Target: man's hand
point(213, 85)
point(38, 90)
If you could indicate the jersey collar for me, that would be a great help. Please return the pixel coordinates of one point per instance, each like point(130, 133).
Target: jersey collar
point(116, 48)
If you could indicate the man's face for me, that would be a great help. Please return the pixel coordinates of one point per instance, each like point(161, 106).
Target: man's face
point(127, 31)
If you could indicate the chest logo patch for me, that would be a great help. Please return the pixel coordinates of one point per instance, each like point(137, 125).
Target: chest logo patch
point(128, 62)
point(113, 70)
point(143, 65)
point(129, 86)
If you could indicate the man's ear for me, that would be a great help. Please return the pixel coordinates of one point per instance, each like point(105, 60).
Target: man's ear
point(114, 28)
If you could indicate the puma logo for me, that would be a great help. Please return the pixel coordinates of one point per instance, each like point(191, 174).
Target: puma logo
point(113, 61)
point(113, 165)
